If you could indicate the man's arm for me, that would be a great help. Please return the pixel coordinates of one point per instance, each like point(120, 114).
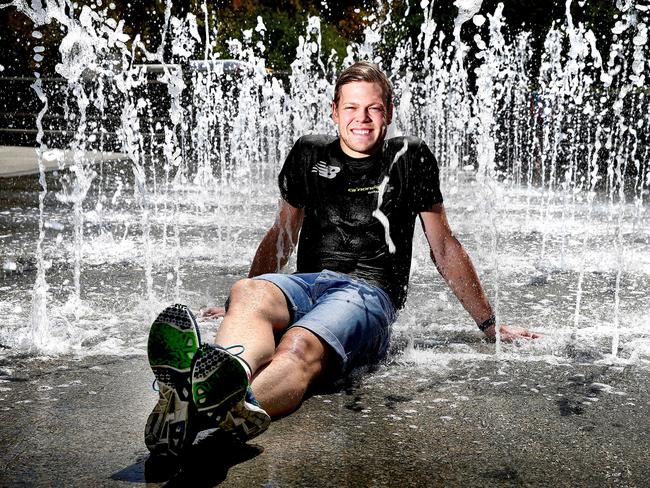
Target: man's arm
point(279, 242)
point(274, 250)
point(457, 269)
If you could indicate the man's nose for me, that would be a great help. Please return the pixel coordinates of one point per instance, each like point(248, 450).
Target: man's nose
point(364, 115)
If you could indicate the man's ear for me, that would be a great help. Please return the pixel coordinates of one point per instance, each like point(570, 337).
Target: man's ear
point(389, 114)
point(335, 114)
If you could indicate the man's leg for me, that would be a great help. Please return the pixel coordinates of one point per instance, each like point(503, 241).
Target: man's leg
point(340, 323)
point(299, 359)
point(245, 342)
point(256, 314)
point(257, 311)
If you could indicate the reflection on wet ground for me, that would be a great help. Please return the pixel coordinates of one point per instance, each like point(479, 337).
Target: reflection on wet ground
point(461, 420)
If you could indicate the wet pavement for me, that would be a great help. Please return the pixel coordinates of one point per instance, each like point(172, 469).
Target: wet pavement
point(475, 422)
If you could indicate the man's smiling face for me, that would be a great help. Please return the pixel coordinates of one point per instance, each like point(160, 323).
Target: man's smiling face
point(362, 117)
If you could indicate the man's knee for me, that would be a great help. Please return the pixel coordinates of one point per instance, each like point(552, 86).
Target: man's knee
point(259, 297)
point(240, 290)
point(248, 292)
point(308, 352)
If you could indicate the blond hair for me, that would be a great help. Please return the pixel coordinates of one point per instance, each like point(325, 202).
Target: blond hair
point(364, 71)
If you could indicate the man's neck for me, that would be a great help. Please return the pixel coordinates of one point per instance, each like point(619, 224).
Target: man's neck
point(358, 155)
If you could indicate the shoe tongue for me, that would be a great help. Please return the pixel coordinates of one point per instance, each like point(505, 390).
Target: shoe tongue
point(235, 350)
point(246, 367)
point(250, 397)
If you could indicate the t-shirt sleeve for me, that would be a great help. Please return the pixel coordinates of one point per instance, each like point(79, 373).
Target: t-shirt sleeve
point(426, 191)
point(293, 178)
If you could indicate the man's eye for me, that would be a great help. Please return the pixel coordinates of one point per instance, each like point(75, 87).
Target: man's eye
point(376, 109)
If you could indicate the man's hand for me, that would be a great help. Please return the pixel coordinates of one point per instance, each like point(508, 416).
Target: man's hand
point(510, 333)
point(213, 313)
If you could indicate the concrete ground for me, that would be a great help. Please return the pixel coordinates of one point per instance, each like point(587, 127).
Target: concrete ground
point(482, 423)
point(21, 161)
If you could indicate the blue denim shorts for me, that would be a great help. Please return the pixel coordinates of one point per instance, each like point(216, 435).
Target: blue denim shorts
point(352, 316)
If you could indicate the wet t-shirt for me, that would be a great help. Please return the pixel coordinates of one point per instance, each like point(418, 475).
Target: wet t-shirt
point(360, 213)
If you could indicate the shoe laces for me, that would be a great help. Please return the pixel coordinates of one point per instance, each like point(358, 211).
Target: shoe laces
point(238, 350)
point(236, 346)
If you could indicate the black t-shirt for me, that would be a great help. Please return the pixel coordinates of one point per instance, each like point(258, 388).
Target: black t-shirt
point(342, 229)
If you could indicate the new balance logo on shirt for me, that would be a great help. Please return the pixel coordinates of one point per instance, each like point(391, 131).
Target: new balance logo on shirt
point(325, 170)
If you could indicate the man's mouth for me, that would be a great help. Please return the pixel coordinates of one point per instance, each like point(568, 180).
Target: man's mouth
point(361, 132)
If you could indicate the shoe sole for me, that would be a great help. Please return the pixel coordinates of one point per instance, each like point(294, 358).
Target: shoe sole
point(245, 421)
point(219, 382)
point(157, 426)
point(173, 340)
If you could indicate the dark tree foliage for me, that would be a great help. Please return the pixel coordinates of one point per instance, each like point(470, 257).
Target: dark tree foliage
point(17, 45)
point(342, 22)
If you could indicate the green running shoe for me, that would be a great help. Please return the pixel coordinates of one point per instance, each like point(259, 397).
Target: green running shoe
point(174, 339)
point(223, 396)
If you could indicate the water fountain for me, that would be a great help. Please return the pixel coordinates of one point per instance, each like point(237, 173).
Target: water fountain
point(165, 182)
point(546, 187)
